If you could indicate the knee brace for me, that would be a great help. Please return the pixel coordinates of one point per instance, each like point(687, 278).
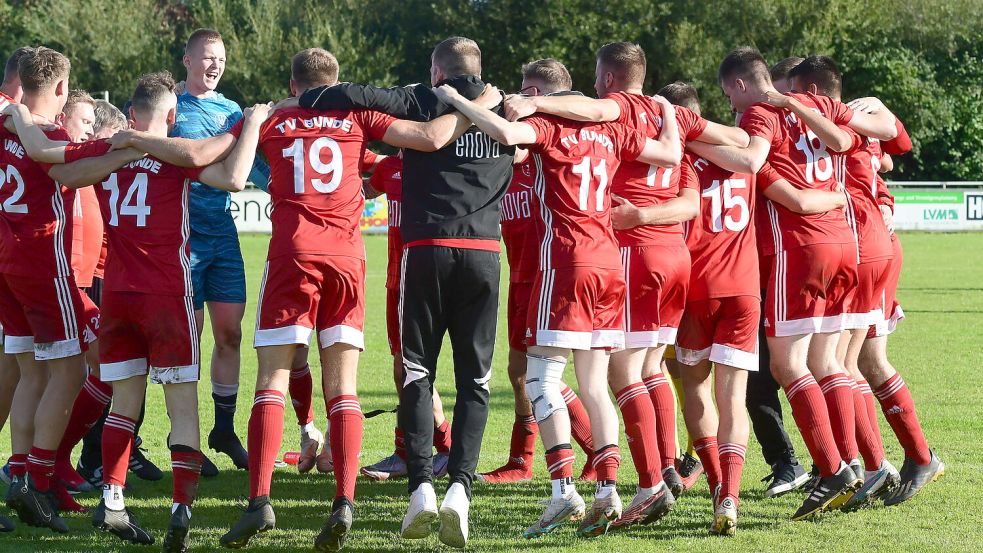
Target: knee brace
point(543, 385)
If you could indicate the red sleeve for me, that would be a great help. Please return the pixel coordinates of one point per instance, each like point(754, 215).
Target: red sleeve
point(760, 121)
point(691, 125)
point(630, 142)
point(193, 173)
point(374, 123)
point(236, 129)
point(545, 131)
point(835, 110)
point(81, 150)
point(621, 98)
point(857, 142)
point(767, 176)
point(900, 144)
point(369, 159)
point(380, 177)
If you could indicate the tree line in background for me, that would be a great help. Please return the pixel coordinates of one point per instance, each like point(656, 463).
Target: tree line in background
point(924, 58)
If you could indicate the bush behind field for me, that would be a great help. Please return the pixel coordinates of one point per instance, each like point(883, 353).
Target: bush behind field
point(923, 57)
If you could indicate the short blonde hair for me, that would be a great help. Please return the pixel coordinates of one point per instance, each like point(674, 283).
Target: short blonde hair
point(314, 67)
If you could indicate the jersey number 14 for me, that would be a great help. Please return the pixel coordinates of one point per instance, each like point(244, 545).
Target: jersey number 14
point(134, 202)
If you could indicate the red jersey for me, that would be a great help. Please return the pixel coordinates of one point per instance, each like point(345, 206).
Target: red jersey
point(35, 212)
point(388, 179)
point(721, 240)
point(574, 164)
point(900, 144)
point(5, 101)
point(315, 183)
point(519, 214)
point(800, 157)
point(87, 232)
point(643, 184)
point(863, 214)
point(144, 207)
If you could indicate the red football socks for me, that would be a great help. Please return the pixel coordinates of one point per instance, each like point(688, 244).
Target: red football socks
point(442, 437)
point(345, 416)
point(18, 465)
point(41, 466)
point(559, 462)
point(812, 418)
point(186, 468)
point(869, 440)
point(301, 389)
point(838, 393)
point(899, 410)
point(117, 442)
point(731, 467)
point(579, 421)
point(606, 463)
point(706, 450)
point(639, 419)
point(264, 438)
point(665, 417)
point(89, 405)
point(400, 442)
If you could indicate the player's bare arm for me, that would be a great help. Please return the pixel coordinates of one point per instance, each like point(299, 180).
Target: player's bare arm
point(682, 208)
point(183, 152)
point(232, 173)
point(872, 118)
point(369, 191)
point(574, 107)
point(724, 135)
point(38, 146)
point(501, 130)
point(835, 138)
point(732, 158)
point(434, 135)
point(806, 202)
point(887, 164)
point(92, 170)
point(667, 151)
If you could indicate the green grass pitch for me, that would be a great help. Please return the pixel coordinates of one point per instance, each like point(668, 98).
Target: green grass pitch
point(937, 349)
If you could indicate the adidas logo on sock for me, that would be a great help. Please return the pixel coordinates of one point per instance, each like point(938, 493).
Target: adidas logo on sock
point(894, 410)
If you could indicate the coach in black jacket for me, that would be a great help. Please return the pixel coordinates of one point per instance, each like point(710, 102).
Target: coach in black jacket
point(450, 277)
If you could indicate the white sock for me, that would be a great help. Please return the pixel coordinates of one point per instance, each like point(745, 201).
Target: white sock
point(603, 491)
point(174, 508)
point(650, 491)
point(563, 487)
point(112, 495)
point(307, 428)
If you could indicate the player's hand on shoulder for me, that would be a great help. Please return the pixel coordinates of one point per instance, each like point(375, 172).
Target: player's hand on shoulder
point(624, 214)
point(447, 93)
point(490, 97)
point(869, 104)
point(291, 102)
point(258, 112)
point(122, 139)
point(664, 103)
point(518, 106)
point(775, 98)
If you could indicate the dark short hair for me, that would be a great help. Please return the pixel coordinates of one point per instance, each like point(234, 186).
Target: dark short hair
point(108, 116)
point(681, 94)
point(458, 55)
point(781, 69)
point(822, 72)
point(550, 71)
point(314, 67)
point(40, 68)
point(626, 60)
point(202, 35)
point(10, 69)
point(745, 63)
point(151, 90)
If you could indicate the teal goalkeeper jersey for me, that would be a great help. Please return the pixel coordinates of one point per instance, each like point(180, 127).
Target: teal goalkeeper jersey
point(201, 118)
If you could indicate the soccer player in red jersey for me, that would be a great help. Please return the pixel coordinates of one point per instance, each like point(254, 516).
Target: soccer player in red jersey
point(148, 325)
point(797, 136)
point(519, 213)
point(578, 296)
point(314, 279)
point(387, 179)
point(655, 257)
point(47, 321)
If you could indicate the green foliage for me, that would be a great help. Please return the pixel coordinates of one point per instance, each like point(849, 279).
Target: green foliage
point(924, 58)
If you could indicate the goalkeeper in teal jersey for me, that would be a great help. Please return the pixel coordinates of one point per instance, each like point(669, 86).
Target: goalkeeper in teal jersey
point(217, 270)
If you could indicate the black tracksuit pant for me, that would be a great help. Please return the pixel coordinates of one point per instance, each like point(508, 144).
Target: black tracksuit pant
point(455, 291)
point(764, 408)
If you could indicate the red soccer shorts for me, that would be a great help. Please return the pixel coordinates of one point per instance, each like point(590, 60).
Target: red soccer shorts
point(518, 313)
point(867, 308)
point(810, 289)
point(148, 334)
point(301, 293)
point(723, 330)
point(577, 308)
point(45, 315)
point(889, 301)
point(392, 321)
point(657, 280)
